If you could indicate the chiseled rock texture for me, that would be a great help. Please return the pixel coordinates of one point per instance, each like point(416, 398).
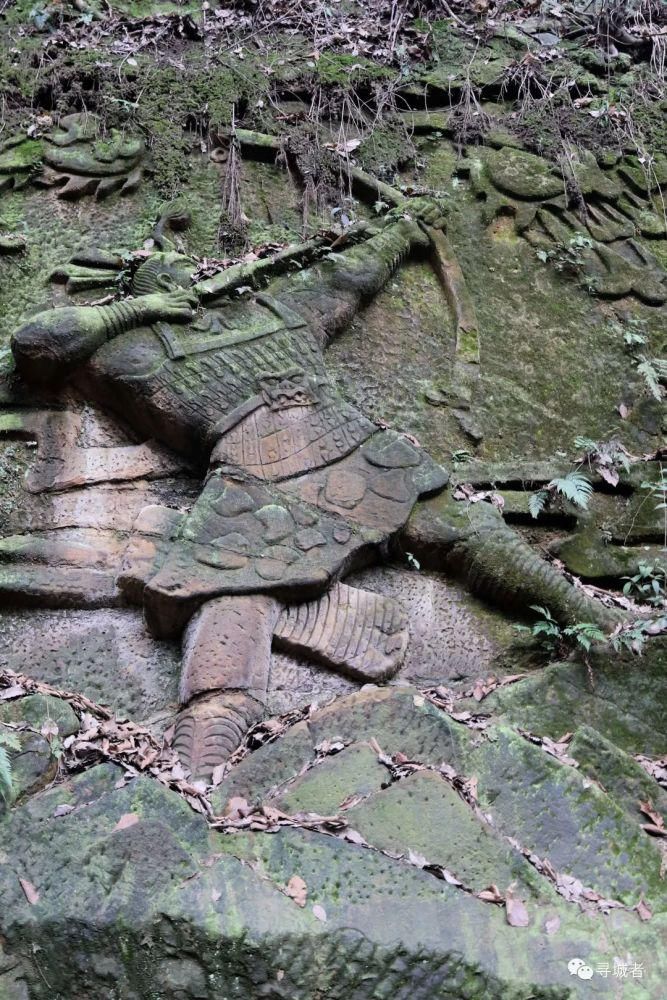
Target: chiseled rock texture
point(195, 201)
point(164, 906)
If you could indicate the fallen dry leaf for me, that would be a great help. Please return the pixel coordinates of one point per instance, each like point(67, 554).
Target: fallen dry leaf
point(470, 788)
point(297, 890)
point(643, 910)
point(649, 810)
point(218, 774)
point(654, 830)
point(29, 891)
point(236, 808)
point(351, 800)
point(329, 747)
point(491, 894)
point(127, 820)
point(448, 877)
point(354, 837)
point(15, 691)
point(552, 925)
point(319, 912)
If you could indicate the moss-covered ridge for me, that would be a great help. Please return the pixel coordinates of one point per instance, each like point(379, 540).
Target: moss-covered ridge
point(136, 887)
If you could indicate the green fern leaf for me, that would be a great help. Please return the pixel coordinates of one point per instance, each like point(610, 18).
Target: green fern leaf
point(586, 444)
point(652, 370)
point(536, 502)
point(9, 738)
point(6, 779)
point(540, 610)
point(585, 634)
point(574, 487)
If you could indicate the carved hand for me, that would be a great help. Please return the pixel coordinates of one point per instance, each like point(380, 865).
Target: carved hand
point(431, 211)
point(52, 343)
point(177, 306)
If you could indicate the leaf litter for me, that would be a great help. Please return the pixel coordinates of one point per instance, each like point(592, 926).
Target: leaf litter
point(135, 749)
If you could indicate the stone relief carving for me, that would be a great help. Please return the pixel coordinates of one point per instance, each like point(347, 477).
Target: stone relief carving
point(596, 213)
point(74, 158)
point(301, 487)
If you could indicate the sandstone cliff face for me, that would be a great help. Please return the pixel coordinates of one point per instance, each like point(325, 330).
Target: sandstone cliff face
point(332, 349)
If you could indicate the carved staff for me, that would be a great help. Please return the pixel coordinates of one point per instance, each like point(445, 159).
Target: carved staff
point(443, 259)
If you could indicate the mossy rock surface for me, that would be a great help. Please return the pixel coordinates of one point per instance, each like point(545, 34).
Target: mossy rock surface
point(122, 908)
point(625, 703)
point(113, 887)
point(40, 723)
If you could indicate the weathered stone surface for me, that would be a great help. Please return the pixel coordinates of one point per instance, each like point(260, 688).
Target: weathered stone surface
point(228, 645)
point(41, 724)
point(616, 771)
point(453, 636)
point(557, 813)
point(210, 728)
point(104, 654)
point(625, 704)
point(400, 720)
point(200, 913)
point(423, 814)
point(290, 307)
point(268, 767)
point(354, 772)
point(297, 680)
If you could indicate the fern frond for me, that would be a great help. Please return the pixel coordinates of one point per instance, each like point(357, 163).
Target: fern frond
point(9, 738)
point(586, 444)
point(652, 370)
point(542, 611)
point(537, 502)
point(6, 778)
point(574, 487)
point(586, 628)
point(585, 634)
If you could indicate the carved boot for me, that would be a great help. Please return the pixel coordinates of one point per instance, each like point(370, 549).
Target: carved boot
point(210, 729)
point(226, 658)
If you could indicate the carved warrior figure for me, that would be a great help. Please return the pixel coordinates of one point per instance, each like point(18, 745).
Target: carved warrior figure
point(301, 486)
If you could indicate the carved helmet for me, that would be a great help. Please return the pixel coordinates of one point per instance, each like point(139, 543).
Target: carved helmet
point(162, 272)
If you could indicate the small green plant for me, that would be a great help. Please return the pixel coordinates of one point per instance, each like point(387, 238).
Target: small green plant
point(649, 585)
point(633, 331)
point(607, 458)
point(8, 741)
point(633, 339)
point(633, 635)
point(654, 373)
point(126, 273)
point(461, 455)
point(657, 490)
point(575, 487)
point(568, 258)
point(553, 639)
